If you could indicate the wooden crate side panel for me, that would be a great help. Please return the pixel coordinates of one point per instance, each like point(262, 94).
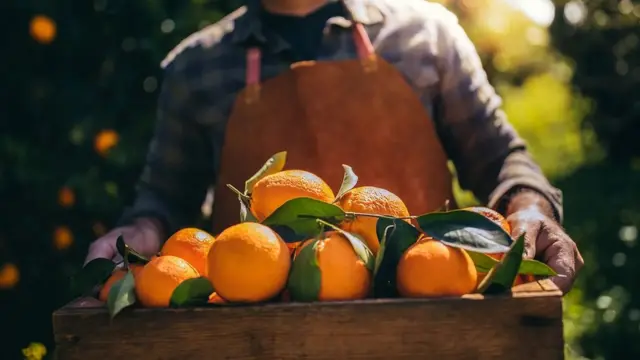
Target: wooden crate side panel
point(497, 328)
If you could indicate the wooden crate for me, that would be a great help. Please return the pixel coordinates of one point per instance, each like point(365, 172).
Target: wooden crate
point(525, 324)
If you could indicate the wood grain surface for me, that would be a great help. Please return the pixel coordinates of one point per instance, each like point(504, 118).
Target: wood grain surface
point(525, 324)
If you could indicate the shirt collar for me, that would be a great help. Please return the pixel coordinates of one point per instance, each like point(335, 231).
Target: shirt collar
point(248, 27)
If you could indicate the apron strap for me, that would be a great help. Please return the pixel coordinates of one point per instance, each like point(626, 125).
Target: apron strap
point(364, 49)
point(254, 62)
point(363, 44)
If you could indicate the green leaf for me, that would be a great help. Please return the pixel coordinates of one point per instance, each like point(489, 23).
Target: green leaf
point(121, 246)
point(96, 272)
point(273, 165)
point(191, 292)
point(466, 230)
point(483, 262)
point(383, 248)
point(132, 256)
point(398, 236)
point(245, 205)
point(300, 215)
point(122, 294)
point(245, 211)
point(349, 180)
point(305, 277)
point(362, 250)
point(287, 234)
point(537, 268)
point(502, 276)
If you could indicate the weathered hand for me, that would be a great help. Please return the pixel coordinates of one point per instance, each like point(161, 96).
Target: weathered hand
point(547, 241)
point(143, 236)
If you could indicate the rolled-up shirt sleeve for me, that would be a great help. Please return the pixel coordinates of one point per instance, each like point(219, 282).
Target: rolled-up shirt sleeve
point(490, 158)
point(179, 165)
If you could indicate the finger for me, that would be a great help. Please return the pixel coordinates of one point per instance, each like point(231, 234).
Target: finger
point(563, 283)
point(119, 263)
point(97, 250)
point(578, 257)
point(579, 261)
point(530, 231)
point(118, 259)
point(560, 256)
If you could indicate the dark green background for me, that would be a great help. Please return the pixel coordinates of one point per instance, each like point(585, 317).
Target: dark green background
point(57, 97)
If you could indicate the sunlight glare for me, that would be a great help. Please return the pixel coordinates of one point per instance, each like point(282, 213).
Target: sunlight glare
point(541, 12)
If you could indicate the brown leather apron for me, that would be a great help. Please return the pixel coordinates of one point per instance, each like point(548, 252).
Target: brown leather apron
point(358, 112)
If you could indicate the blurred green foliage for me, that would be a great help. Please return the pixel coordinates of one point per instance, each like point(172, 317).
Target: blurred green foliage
point(79, 105)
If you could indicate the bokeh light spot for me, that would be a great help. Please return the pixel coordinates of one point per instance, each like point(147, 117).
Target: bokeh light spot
point(105, 141)
point(9, 276)
point(628, 234)
point(167, 26)
point(619, 259)
point(42, 29)
point(66, 197)
point(99, 229)
point(62, 238)
point(35, 351)
point(150, 84)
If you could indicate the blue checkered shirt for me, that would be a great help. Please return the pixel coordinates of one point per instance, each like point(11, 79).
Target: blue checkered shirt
point(423, 40)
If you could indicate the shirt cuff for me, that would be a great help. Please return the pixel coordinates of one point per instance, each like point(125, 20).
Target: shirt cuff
point(147, 204)
point(502, 194)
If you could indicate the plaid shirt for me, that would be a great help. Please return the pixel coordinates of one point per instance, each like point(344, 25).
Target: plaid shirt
point(205, 72)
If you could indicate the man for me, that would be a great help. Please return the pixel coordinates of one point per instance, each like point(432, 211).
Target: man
point(392, 88)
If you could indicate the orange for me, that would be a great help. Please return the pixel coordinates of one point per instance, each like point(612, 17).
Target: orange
point(492, 215)
point(293, 246)
point(497, 218)
point(430, 268)
point(270, 192)
point(115, 276)
point(190, 244)
point(343, 275)
point(523, 279)
point(248, 262)
point(370, 200)
point(214, 298)
point(160, 277)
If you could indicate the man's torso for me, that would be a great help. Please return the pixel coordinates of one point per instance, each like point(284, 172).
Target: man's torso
point(212, 62)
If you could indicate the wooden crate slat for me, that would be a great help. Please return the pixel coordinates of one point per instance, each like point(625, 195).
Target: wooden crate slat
point(524, 324)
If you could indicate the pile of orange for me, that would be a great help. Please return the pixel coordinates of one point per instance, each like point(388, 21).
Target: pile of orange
point(249, 262)
point(183, 256)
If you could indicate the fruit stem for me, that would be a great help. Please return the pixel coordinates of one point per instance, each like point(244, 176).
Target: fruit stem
point(125, 258)
point(484, 284)
point(354, 214)
point(238, 192)
point(322, 222)
point(445, 207)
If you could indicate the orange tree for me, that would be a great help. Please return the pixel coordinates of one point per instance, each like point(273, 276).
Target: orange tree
point(564, 87)
point(81, 81)
point(602, 38)
point(79, 102)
